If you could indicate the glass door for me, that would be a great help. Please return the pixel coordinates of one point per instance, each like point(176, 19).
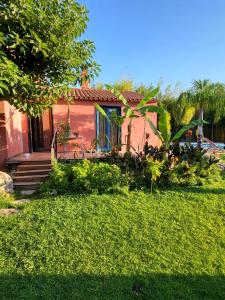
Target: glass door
point(108, 133)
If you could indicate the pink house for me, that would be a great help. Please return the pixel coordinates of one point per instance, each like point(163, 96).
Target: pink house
point(20, 134)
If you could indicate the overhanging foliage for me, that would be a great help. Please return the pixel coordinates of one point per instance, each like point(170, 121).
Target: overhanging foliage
point(40, 54)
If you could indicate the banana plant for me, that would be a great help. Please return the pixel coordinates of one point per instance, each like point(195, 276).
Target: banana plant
point(128, 112)
point(164, 126)
point(163, 132)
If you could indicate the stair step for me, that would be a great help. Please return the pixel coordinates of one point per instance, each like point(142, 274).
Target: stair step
point(28, 178)
point(32, 172)
point(34, 167)
point(27, 192)
point(34, 162)
point(26, 185)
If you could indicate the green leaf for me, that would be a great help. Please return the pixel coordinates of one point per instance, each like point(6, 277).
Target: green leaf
point(150, 108)
point(189, 113)
point(117, 119)
point(145, 100)
point(187, 127)
point(118, 95)
point(154, 129)
point(4, 86)
point(101, 111)
point(164, 125)
point(128, 112)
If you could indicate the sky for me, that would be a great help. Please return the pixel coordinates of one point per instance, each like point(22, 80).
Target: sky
point(172, 41)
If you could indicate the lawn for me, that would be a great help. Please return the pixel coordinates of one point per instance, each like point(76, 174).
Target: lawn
point(169, 245)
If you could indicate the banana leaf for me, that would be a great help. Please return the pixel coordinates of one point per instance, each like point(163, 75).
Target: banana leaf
point(164, 125)
point(118, 95)
point(150, 108)
point(102, 112)
point(145, 100)
point(187, 127)
point(154, 129)
point(189, 113)
point(128, 111)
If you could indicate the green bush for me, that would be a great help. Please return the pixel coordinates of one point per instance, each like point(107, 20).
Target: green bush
point(59, 179)
point(83, 177)
point(144, 172)
point(104, 177)
point(185, 173)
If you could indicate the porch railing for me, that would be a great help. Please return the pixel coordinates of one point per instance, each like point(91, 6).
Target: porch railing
point(54, 147)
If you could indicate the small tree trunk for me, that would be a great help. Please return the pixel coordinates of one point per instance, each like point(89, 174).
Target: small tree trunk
point(212, 137)
point(200, 128)
point(128, 146)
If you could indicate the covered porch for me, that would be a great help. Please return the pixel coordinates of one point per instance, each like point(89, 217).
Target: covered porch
point(46, 156)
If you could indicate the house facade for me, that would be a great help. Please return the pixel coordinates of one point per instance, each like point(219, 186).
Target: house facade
point(88, 129)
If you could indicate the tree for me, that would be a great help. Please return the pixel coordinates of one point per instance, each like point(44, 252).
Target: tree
point(205, 96)
point(40, 54)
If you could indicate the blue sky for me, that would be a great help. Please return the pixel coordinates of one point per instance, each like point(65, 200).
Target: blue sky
point(146, 40)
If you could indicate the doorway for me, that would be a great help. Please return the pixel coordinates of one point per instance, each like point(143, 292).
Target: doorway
point(40, 132)
point(36, 132)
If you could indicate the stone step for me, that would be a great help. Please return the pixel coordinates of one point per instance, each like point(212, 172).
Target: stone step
point(32, 172)
point(33, 167)
point(26, 185)
point(35, 162)
point(27, 192)
point(29, 178)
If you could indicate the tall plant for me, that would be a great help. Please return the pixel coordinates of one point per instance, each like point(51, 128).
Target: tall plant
point(129, 113)
point(163, 132)
point(205, 96)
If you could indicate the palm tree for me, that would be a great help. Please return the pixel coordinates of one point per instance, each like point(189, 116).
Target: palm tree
point(204, 96)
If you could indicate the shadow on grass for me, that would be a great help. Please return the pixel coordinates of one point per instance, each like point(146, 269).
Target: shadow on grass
point(152, 286)
point(196, 189)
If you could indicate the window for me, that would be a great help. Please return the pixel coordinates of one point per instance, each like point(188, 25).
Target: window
point(108, 134)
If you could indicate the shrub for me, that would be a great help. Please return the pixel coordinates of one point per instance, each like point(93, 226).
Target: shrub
point(185, 173)
point(103, 177)
point(153, 170)
point(184, 165)
point(59, 179)
point(80, 174)
point(84, 177)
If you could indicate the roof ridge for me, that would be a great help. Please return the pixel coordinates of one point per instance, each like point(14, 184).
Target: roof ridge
point(105, 95)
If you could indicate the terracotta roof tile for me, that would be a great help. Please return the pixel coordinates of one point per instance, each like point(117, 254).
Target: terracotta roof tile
point(104, 95)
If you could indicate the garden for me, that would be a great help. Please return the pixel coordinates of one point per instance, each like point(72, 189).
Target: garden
point(142, 225)
point(145, 223)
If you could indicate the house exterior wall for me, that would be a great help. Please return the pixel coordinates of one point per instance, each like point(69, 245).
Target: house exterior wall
point(13, 132)
point(3, 140)
point(140, 128)
point(25, 132)
point(13, 127)
point(83, 122)
point(47, 129)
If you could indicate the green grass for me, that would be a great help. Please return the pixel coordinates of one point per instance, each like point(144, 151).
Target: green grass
point(6, 201)
point(165, 246)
